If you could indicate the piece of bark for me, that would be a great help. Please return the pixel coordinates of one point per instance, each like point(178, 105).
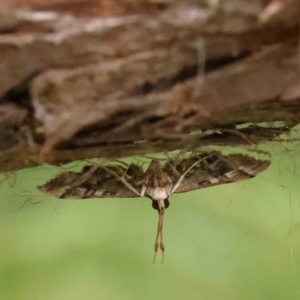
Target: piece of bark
point(113, 81)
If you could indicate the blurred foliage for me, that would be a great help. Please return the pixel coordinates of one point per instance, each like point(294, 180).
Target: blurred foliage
point(238, 241)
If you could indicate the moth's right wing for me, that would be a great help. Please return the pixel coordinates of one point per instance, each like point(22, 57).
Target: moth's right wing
point(95, 182)
point(213, 168)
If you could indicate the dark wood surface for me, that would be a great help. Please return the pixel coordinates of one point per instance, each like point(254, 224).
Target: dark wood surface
point(82, 79)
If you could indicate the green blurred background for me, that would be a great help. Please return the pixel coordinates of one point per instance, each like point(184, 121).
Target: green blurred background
point(238, 241)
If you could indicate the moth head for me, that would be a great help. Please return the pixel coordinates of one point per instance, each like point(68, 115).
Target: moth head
point(160, 205)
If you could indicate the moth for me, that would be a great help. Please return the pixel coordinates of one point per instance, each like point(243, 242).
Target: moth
point(158, 182)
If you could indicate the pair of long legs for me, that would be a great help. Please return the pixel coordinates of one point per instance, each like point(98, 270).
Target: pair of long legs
point(170, 190)
point(159, 236)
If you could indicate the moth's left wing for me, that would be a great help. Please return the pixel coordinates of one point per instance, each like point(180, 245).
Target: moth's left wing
point(213, 168)
point(91, 182)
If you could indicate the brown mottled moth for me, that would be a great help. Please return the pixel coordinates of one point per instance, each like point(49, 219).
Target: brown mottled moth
point(158, 182)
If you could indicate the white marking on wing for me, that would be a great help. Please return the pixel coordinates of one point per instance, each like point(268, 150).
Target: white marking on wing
point(247, 170)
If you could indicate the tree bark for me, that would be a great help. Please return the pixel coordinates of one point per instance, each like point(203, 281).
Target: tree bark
point(89, 78)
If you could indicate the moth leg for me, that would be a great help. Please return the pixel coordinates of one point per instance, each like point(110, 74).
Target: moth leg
point(174, 169)
point(130, 177)
point(144, 182)
point(157, 237)
point(143, 190)
point(123, 180)
point(81, 179)
point(161, 244)
point(169, 186)
point(178, 183)
point(180, 156)
point(183, 175)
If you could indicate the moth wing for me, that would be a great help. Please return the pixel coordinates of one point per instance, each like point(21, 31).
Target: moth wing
point(98, 183)
point(214, 169)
